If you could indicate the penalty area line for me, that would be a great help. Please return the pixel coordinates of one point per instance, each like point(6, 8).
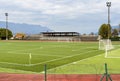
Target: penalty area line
point(14, 64)
point(18, 70)
point(75, 62)
point(111, 57)
point(62, 58)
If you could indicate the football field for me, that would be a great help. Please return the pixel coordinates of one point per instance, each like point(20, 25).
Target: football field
point(30, 57)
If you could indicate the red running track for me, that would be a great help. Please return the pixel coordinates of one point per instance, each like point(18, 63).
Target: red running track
point(55, 77)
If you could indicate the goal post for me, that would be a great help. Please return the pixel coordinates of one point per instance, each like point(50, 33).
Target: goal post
point(105, 44)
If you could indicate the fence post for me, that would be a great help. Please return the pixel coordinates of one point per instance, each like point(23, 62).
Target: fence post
point(106, 74)
point(45, 73)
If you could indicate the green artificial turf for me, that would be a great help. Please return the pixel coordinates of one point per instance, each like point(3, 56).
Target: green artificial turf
point(15, 55)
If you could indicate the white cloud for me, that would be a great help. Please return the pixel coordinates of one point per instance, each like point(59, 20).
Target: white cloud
point(52, 12)
point(56, 8)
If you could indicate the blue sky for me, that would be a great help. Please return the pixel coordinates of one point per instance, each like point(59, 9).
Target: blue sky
point(82, 16)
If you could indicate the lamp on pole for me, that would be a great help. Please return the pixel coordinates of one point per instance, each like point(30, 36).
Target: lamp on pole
point(119, 29)
point(6, 14)
point(108, 4)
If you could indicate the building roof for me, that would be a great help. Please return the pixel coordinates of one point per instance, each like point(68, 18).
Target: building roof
point(59, 32)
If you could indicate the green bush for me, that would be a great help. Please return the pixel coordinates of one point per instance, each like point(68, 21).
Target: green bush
point(115, 38)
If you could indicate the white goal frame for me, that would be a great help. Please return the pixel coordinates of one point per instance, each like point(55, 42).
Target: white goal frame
point(107, 45)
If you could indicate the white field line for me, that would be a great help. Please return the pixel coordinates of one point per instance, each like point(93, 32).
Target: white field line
point(16, 52)
point(49, 55)
point(116, 45)
point(74, 62)
point(35, 54)
point(27, 45)
point(21, 71)
point(49, 69)
point(62, 58)
point(111, 57)
point(14, 64)
point(46, 61)
point(26, 50)
point(42, 62)
point(6, 50)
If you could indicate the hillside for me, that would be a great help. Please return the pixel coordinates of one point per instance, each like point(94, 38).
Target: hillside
point(24, 28)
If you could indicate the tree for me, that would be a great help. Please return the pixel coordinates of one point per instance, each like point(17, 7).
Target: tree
point(105, 31)
point(92, 33)
point(115, 32)
point(3, 33)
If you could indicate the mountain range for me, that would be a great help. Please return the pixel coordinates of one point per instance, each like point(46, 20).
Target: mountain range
point(28, 28)
point(24, 28)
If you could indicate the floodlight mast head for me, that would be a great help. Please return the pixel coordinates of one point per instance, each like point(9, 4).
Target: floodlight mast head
point(6, 14)
point(108, 4)
point(119, 29)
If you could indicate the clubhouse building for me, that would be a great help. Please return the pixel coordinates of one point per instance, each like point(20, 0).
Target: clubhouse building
point(61, 36)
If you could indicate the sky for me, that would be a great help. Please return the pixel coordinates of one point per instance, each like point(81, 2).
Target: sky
point(83, 16)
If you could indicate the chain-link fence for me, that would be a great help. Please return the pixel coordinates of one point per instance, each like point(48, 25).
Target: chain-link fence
point(69, 72)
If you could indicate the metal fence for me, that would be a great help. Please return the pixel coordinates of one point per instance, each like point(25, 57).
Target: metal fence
point(69, 72)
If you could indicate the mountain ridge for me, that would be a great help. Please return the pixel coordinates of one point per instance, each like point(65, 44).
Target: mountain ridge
point(24, 28)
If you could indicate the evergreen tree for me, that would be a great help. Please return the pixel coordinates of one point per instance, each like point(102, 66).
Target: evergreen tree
point(3, 33)
point(105, 31)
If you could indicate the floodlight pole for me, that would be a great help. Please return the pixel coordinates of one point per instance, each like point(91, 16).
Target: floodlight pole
point(106, 74)
point(45, 74)
point(6, 14)
point(119, 29)
point(108, 4)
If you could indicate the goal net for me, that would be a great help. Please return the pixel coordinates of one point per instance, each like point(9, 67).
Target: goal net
point(106, 44)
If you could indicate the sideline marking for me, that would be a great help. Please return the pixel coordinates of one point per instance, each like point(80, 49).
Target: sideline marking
point(62, 58)
point(23, 71)
point(111, 53)
point(46, 61)
point(35, 54)
point(111, 57)
point(73, 63)
point(26, 50)
point(14, 64)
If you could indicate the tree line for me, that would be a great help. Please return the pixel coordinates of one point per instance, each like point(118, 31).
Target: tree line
point(3, 33)
point(106, 32)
